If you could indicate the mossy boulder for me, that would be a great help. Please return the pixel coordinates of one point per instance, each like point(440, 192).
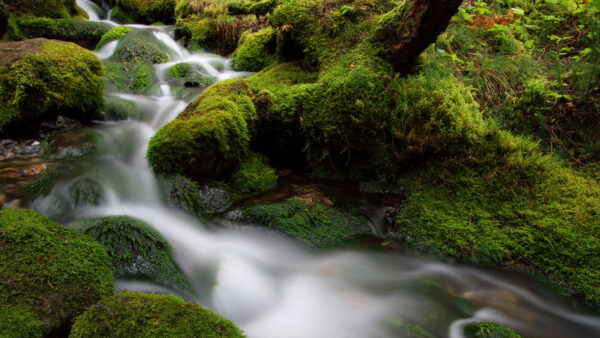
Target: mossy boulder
point(130, 68)
point(255, 50)
point(56, 9)
point(85, 192)
point(120, 16)
point(113, 34)
point(53, 271)
point(20, 321)
point(136, 250)
point(190, 75)
point(150, 11)
point(133, 314)
point(120, 109)
point(82, 32)
point(254, 175)
point(489, 330)
point(40, 78)
point(212, 136)
point(318, 224)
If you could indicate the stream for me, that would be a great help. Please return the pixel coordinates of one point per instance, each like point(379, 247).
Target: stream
point(271, 286)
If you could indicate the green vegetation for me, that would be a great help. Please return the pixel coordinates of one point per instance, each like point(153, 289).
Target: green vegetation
point(320, 225)
point(86, 191)
point(489, 330)
point(132, 314)
point(48, 270)
point(82, 32)
point(40, 78)
point(190, 75)
point(255, 50)
point(20, 321)
point(149, 11)
point(136, 250)
point(120, 109)
point(121, 16)
point(56, 9)
point(254, 175)
point(114, 34)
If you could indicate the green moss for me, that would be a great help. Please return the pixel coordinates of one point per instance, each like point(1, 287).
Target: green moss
point(489, 330)
point(52, 78)
point(56, 271)
point(150, 11)
point(135, 77)
point(120, 16)
point(136, 250)
point(190, 75)
point(114, 34)
point(57, 9)
point(503, 202)
point(319, 225)
point(254, 175)
point(219, 33)
point(120, 109)
point(85, 192)
point(255, 50)
point(82, 32)
point(133, 314)
point(20, 321)
point(212, 136)
point(141, 46)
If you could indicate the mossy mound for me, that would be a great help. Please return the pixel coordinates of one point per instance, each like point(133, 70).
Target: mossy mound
point(40, 78)
point(150, 11)
point(82, 32)
point(57, 9)
point(503, 202)
point(212, 136)
point(120, 16)
point(120, 109)
point(255, 50)
point(136, 250)
point(489, 330)
point(86, 192)
point(20, 321)
point(131, 66)
point(133, 314)
point(320, 225)
point(254, 175)
point(54, 271)
point(190, 75)
point(114, 34)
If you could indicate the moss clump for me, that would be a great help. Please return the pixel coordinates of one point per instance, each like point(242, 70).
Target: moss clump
point(150, 11)
point(82, 32)
point(254, 175)
point(136, 250)
point(56, 9)
point(39, 78)
point(114, 34)
point(57, 271)
point(190, 75)
point(255, 50)
point(319, 225)
point(120, 16)
point(136, 77)
point(120, 109)
point(503, 202)
point(20, 321)
point(212, 136)
point(489, 330)
point(133, 314)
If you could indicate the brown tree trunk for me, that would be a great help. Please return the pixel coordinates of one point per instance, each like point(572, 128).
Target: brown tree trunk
point(421, 21)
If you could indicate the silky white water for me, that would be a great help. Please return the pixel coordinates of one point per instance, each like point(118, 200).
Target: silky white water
point(269, 285)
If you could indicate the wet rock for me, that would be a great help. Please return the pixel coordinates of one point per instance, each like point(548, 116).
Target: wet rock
point(86, 192)
point(61, 123)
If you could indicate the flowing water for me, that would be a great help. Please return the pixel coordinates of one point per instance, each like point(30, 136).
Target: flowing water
point(271, 286)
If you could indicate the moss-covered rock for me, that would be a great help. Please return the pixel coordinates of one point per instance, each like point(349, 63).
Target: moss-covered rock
point(190, 75)
point(255, 50)
point(82, 32)
point(56, 272)
point(120, 109)
point(489, 330)
point(136, 250)
point(133, 314)
point(20, 321)
point(40, 78)
point(120, 16)
point(56, 9)
point(114, 34)
point(150, 11)
point(212, 136)
point(85, 192)
point(320, 225)
point(254, 175)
